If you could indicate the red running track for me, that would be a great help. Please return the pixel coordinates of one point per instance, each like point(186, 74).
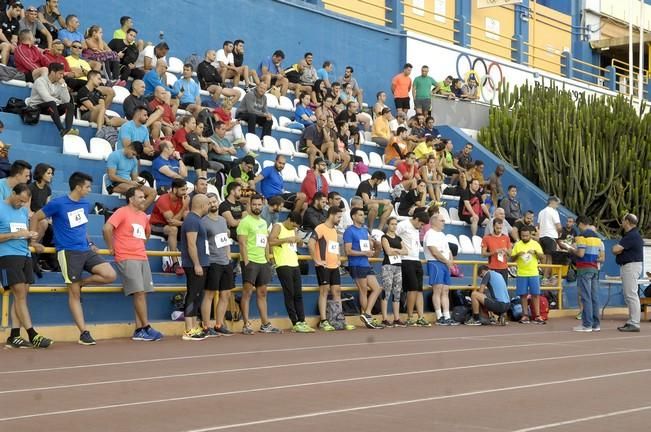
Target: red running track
point(515, 378)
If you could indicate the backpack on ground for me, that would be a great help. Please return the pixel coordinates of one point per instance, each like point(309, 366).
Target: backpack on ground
point(461, 313)
point(335, 314)
point(515, 313)
point(544, 307)
point(349, 304)
point(30, 115)
point(15, 105)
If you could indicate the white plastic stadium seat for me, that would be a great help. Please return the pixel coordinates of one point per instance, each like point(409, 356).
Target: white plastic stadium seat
point(269, 145)
point(74, 145)
point(375, 160)
point(253, 142)
point(286, 147)
point(363, 155)
point(466, 245)
point(267, 163)
point(175, 65)
point(352, 180)
point(365, 177)
point(272, 101)
point(444, 212)
point(99, 146)
point(286, 104)
point(476, 243)
point(104, 190)
point(121, 94)
point(384, 187)
point(452, 239)
point(302, 172)
point(337, 178)
point(283, 121)
point(274, 122)
point(171, 78)
point(112, 113)
point(289, 173)
point(454, 217)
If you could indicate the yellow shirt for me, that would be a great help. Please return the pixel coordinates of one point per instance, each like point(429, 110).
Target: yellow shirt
point(422, 150)
point(527, 263)
point(381, 128)
point(285, 254)
point(79, 63)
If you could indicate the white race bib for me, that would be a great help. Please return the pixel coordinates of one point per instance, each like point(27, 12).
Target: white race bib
point(526, 257)
point(395, 259)
point(261, 240)
point(17, 226)
point(222, 240)
point(77, 218)
point(500, 256)
point(333, 247)
point(139, 231)
point(364, 245)
point(207, 243)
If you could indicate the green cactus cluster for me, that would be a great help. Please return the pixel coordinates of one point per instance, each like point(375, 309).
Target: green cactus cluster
point(592, 151)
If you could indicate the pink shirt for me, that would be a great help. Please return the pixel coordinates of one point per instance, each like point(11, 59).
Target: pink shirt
point(130, 231)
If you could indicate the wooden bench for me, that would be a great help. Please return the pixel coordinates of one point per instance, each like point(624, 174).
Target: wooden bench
point(645, 302)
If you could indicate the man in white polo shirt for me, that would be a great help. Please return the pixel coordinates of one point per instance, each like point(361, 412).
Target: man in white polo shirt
point(549, 227)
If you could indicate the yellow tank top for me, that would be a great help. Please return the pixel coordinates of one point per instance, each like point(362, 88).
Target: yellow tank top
point(285, 254)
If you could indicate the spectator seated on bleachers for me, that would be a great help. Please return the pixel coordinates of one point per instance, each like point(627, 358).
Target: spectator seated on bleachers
point(167, 217)
point(499, 216)
point(157, 78)
point(271, 72)
point(318, 94)
point(162, 102)
point(188, 146)
point(149, 56)
point(205, 144)
point(253, 110)
point(136, 130)
point(55, 55)
point(528, 222)
point(476, 172)
point(70, 33)
point(122, 172)
point(137, 99)
point(381, 133)
point(472, 209)
point(398, 148)
point(126, 24)
point(188, 91)
point(50, 16)
point(413, 200)
point(222, 149)
point(323, 74)
point(210, 80)
point(28, 57)
point(338, 154)
point(347, 119)
point(233, 127)
point(316, 213)
point(303, 115)
point(126, 50)
point(347, 78)
point(511, 205)
point(272, 184)
point(431, 174)
point(248, 74)
point(308, 72)
point(51, 95)
point(92, 105)
point(10, 25)
point(315, 180)
point(375, 206)
point(167, 167)
point(313, 140)
point(430, 127)
point(225, 63)
point(30, 21)
point(406, 173)
point(326, 107)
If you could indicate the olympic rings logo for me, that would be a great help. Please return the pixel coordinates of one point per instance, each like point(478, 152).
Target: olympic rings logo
point(486, 80)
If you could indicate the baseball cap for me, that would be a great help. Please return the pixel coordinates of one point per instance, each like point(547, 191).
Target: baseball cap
point(17, 4)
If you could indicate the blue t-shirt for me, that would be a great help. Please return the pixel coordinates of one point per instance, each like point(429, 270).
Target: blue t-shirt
point(192, 223)
point(69, 222)
point(5, 190)
point(133, 133)
point(153, 80)
point(323, 74)
point(272, 184)
point(12, 220)
point(298, 115)
point(190, 90)
point(496, 286)
point(268, 62)
point(123, 166)
point(354, 235)
point(162, 179)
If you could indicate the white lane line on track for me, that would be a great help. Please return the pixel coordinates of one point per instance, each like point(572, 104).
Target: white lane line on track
point(299, 364)
point(345, 380)
point(584, 419)
point(280, 350)
point(415, 401)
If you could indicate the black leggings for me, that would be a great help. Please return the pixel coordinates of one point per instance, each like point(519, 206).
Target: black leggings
point(195, 160)
point(55, 111)
point(252, 119)
point(290, 280)
point(195, 286)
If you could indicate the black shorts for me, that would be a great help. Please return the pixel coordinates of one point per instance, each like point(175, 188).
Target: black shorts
point(15, 270)
point(29, 77)
point(327, 276)
point(402, 103)
point(548, 245)
point(257, 274)
point(496, 307)
point(412, 275)
point(85, 115)
point(159, 230)
point(220, 277)
point(466, 218)
point(184, 105)
point(73, 263)
point(290, 200)
point(357, 272)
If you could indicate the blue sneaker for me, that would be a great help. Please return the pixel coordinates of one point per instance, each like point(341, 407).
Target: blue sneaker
point(155, 334)
point(140, 335)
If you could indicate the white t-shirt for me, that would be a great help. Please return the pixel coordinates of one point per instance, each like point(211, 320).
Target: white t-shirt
point(411, 237)
point(547, 220)
point(222, 57)
point(148, 51)
point(438, 240)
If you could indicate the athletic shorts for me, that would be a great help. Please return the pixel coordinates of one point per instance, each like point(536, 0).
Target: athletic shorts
point(290, 200)
point(220, 277)
point(257, 274)
point(439, 273)
point(327, 276)
point(135, 275)
point(412, 275)
point(360, 272)
point(73, 263)
point(527, 285)
point(402, 103)
point(424, 104)
point(159, 230)
point(185, 105)
point(85, 115)
point(495, 306)
point(15, 270)
point(548, 245)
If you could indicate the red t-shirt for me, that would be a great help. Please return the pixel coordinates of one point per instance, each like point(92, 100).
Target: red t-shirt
point(403, 172)
point(180, 136)
point(131, 229)
point(168, 115)
point(493, 243)
point(222, 115)
point(164, 204)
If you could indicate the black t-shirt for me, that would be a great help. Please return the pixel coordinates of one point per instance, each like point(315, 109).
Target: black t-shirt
point(394, 243)
point(39, 196)
point(313, 217)
point(193, 140)
point(131, 103)
point(519, 224)
point(238, 59)
point(407, 200)
point(236, 212)
point(473, 198)
point(366, 188)
point(130, 51)
point(84, 94)
point(313, 134)
point(464, 161)
point(208, 75)
point(9, 26)
point(345, 117)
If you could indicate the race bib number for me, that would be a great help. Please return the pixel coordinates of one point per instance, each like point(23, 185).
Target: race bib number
point(526, 257)
point(333, 247)
point(261, 240)
point(77, 218)
point(293, 247)
point(395, 259)
point(139, 231)
point(364, 245)
point(207, 244)
point(500, 256)
point(222, 240)
point(17, 226)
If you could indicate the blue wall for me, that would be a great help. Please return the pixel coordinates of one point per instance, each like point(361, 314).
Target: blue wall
point(265, 25)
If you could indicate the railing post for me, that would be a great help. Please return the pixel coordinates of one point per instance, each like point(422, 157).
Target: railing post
point(567, 69)
point(393, 12)
point(612, 78)
point(463, 15)
point(521, 33)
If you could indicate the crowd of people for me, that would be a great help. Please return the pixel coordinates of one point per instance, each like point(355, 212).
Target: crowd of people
point(203, 227)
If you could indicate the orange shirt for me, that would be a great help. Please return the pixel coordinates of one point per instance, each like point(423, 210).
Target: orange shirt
point(130, 231)
point(493, 243)
point(401, 85)
point(327, 245)
point(391, 153)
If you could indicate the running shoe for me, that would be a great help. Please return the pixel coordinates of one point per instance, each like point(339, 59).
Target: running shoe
point(367, 320)
point(17, 342)
point(223, 330)
point(411, 323)
point(582, 329)
point(596, 329)
point(41, 341)
point(306, 327)
point(268, 328)
point(472, 322)
point(247, 330)
point(178, 270)
point(326, 326)
point(154, 334)
point(349, 327)
point(86, 339)
point(441, 322)
point(210, 332)
point(422, 322)
point(452, 322)
point(140, 335)
point(193, 335)
point(524, 320)
point(399, 323)
point(387, 323)
point(538, 321)
point(301, 327)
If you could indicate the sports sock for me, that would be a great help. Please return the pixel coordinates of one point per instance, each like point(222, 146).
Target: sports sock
point(439, 314)
point(15, 332)
point(31, 333)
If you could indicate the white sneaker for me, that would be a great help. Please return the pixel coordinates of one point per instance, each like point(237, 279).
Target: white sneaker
point(596, 329)
point(582, 329)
